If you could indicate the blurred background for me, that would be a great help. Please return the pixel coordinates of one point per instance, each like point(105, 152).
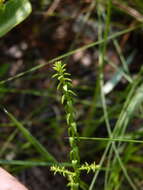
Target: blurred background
point(58, 28)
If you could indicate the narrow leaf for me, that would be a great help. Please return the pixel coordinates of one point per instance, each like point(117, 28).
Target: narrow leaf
point(38, 146)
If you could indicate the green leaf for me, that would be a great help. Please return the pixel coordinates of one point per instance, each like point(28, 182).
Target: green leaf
point(12, 13)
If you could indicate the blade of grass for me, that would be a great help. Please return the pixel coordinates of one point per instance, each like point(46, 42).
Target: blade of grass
point(32, 163)
point(9, 139)
point(100, 164)
point(43, 93)
point(111, 139)
point(38, 146)
point(122, 58)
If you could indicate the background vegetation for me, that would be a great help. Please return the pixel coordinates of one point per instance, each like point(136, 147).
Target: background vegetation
point(101, 44)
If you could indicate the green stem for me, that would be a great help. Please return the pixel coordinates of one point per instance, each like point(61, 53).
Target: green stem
point(68, 101)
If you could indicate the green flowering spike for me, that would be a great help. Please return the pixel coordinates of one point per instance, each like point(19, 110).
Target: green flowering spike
point(67, 98)
point(65, 84)
point(61, 170)
point(89, 167)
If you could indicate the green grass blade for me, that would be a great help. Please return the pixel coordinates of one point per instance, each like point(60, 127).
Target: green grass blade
point(111, 139)
point(31, 163)
point(38, 146)
point(6, 144)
